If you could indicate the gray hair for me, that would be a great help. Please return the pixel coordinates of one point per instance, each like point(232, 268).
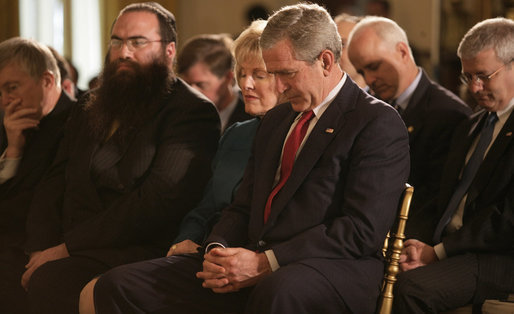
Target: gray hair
point(496, 33)
point(309, 27)
point(31, 56)
point(386, 29)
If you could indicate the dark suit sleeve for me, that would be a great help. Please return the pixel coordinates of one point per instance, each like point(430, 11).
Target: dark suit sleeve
point(44, 225)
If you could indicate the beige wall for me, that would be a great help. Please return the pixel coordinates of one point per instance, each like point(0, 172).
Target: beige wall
point(217, 16)
point(420, 19)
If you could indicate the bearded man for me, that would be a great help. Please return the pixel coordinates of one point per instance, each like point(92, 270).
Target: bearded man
point(135, 157)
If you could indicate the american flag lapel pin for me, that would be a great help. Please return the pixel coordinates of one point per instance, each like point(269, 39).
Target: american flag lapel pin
point(329, 130)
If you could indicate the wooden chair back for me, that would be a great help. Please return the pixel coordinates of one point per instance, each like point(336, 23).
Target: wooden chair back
point(393, 246)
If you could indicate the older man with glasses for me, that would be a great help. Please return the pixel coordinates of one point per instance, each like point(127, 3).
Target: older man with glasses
point(134, 159)
point(471, 255)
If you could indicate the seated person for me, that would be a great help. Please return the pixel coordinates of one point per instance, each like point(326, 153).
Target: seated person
point(471, 255)
point(305, 231)
point(34, 110)
point(258, 88)
point(134, 159)
point(206, 63)
point(379, 49)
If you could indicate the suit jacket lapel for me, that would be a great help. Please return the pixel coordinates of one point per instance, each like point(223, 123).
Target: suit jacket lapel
point(490, 162)
point(315, 146)
point(267, 167)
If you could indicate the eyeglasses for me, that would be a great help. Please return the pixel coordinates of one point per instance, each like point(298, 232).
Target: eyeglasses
point(469, 79)
point(132, 43)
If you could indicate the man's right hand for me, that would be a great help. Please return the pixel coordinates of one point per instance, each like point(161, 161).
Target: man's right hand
point(16, 120)
point(416, 254)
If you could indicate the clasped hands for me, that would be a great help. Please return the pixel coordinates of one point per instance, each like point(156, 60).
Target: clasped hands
point(230, 269)
point(415, 254)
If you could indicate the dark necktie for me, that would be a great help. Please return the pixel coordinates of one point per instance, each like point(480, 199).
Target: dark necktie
point(288, 156)
point(468, 174)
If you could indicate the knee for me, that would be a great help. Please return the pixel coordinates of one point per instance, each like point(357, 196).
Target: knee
point(113, 284)
point(42, 278)
point(108, 283)
point(43, 287)
point(409, 294)
point(272, 288)
point(405, 285)
point(272, 293)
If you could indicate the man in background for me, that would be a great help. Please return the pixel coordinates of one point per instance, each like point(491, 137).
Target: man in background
point(206, 63)
point(34, 111)
point(380, 51)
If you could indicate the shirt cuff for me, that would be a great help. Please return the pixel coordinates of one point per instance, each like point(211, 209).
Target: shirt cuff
point(440, 251)
point(272, 260)
point(8, 167)
point(212, 245)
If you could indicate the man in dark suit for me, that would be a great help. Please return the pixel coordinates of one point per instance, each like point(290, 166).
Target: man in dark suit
point(297, 239)
point(206, 63)
point(379, 49)
point(472, 256)
point(133, 160)
point(34, 111)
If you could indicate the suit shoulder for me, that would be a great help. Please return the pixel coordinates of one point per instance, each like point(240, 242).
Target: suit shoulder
point(183, 94)
point(243, 126)
point(184, 98)
point(443, 99)
point(277, 113)
point(374, 107)
point(240, 131)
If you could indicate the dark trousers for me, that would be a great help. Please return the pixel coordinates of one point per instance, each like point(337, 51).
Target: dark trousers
point(169, 285)
point(441, 286)
point(55, 286)
point(13, 298)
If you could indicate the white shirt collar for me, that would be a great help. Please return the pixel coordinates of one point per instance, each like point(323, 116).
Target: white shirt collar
point(403, 100)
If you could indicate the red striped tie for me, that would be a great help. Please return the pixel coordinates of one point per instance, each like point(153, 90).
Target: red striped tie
point(288, 156)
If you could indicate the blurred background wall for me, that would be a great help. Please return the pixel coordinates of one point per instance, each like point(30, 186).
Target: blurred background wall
point(80, 29)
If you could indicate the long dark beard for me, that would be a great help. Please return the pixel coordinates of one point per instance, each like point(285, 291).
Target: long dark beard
point(127, 98)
